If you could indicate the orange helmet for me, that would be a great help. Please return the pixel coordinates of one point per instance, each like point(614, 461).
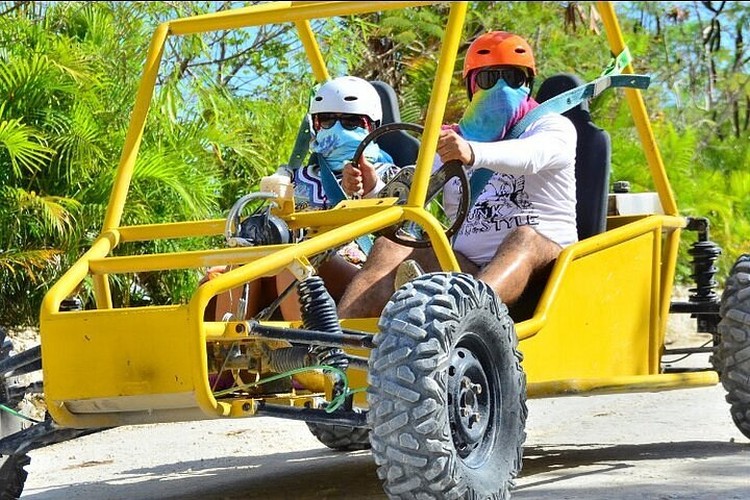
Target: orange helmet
point(499, 48)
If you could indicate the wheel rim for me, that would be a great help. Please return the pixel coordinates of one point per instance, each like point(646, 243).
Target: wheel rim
point(473, 399)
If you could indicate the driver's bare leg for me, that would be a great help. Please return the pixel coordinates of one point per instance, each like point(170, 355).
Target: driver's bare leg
point(524, 256)
point(370, 290)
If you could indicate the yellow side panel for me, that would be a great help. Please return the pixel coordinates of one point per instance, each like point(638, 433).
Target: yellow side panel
point(598, 323)
point(121, 352)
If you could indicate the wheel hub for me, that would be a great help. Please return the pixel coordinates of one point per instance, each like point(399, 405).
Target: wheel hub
point(468, 400)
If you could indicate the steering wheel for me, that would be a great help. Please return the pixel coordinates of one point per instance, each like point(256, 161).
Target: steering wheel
point(409, 233)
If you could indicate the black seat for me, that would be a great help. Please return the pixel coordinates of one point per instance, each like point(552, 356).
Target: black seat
point(593, 156)
point(402, 147)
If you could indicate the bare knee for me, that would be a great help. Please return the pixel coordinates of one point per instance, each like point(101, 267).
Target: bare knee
point(539, 249)
point(525, 255)
point(370, 289)
point(384, 249)
point(524, 234)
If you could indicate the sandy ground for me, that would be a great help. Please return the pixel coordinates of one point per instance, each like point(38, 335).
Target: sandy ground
point(669, 445)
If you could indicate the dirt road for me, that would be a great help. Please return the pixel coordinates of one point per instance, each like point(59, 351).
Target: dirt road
point(670, 445)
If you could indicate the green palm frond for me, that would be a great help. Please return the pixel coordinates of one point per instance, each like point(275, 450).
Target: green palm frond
point(91, 24)
point(33, 82)
point(739, 187)
point(27, 262)
point(54, 213)
point(78, 142)
point(75, 65)
point(23, 145)
point(161, 176)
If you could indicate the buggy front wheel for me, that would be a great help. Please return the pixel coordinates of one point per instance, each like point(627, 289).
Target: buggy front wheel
point(734, 346)
point(446, 392)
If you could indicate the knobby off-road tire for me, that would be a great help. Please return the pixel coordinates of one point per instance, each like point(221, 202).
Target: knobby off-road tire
point(447, 392)
point(341, 437)
point(733, 351)
point(12, 472)
point(13, 475)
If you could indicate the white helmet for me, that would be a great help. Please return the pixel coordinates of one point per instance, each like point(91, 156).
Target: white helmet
point(348, 94)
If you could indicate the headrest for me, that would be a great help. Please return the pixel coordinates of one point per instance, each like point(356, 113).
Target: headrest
point(556, 85)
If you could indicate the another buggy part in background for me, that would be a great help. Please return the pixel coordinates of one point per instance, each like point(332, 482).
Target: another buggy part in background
point(12, 465)
point(703, 302)
point(731, 355)
point(13, 386)
point(13, 475)
point(20, 434)
point(15, 447)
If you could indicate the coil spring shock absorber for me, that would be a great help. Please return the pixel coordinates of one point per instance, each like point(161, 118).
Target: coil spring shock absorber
point(319, 313)
point(705, 254)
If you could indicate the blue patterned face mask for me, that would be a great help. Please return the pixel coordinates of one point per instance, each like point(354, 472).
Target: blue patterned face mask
point(336, 145)
point(491, 112)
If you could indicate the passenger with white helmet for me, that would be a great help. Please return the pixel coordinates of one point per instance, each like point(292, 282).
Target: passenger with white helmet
point(342, 113)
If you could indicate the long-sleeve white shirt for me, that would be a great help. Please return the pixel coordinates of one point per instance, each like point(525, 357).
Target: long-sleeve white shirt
point(534, 184)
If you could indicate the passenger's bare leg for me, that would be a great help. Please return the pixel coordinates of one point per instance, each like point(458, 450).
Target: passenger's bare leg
point(336, 272)
point(371, 288)
point(228, 302)
point(289, 307)
point(522, 257)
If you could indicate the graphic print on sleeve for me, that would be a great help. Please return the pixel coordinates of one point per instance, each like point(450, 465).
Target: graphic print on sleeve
point(308, 189)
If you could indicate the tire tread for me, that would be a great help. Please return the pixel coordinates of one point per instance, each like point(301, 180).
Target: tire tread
point(733, 351)
point(412, 449)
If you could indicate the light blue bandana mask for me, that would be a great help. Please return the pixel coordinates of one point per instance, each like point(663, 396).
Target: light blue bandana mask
point(337, 145)
point(492, 112)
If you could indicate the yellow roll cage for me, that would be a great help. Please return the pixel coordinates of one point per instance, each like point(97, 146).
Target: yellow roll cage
point(112, 366)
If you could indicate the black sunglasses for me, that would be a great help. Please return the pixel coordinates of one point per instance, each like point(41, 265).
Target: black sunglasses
point(349, 122)
point(487, 78)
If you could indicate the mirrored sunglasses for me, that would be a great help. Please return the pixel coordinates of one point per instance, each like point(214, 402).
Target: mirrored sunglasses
point(487, 78)
point(349, 122)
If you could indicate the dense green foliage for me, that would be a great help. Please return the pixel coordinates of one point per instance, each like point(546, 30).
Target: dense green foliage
point(69, 72)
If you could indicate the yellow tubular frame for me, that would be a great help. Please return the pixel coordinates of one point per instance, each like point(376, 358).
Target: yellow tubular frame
point(297, 12)
point(134, 386)
point(351, 219)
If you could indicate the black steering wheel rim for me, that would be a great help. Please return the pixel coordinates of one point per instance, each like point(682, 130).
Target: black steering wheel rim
point(381, 131)
point(446, 172)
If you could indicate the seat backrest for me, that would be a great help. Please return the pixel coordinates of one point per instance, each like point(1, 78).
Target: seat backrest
point(593, 157)
point(402, 147)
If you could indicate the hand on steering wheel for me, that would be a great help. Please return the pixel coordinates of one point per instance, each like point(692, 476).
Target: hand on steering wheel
point(408, 233)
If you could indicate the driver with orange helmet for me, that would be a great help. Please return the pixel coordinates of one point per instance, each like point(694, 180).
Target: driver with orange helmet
point(526, 213)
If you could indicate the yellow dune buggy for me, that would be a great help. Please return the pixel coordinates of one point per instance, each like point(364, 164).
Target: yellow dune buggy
point(437, 385)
